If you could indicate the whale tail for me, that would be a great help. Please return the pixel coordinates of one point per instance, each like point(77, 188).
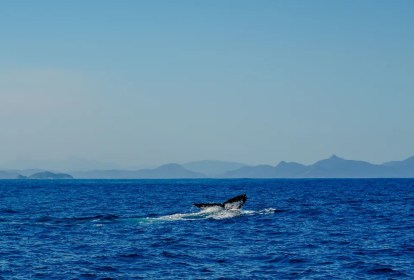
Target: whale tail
point(231, 204)
point(235, 202)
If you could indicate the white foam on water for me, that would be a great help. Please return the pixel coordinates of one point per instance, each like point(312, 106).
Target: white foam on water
point(224, 214)
point(177, 217)
point(212, 209)
point(267, 211)
point(214, 213)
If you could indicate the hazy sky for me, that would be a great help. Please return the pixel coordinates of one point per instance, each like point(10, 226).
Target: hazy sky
point(151, 82)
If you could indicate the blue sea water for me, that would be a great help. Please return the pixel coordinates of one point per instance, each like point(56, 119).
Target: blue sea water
point(148, 229)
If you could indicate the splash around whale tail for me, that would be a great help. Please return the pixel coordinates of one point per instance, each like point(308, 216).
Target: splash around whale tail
point(236, 202)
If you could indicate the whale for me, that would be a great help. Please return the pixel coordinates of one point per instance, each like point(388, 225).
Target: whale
point(234, 203)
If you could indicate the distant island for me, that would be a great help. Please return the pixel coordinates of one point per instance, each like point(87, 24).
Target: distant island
point(45, 175)
point(332, 167)
point(50, 176)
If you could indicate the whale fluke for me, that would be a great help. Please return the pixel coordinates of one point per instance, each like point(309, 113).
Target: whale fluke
point(233, 203)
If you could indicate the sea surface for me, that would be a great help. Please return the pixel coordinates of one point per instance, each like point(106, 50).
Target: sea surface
point(148, 229)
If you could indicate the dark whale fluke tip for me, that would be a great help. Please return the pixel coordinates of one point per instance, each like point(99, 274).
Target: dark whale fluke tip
point(242, 197)
point(236, 202)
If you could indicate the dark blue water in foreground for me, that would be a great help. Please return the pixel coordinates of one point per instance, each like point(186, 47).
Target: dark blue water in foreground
point(288, 229)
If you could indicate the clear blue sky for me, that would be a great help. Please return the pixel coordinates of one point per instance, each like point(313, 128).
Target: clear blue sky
point(151, 82)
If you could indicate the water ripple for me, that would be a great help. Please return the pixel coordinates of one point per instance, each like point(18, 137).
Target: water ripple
point(132, 229)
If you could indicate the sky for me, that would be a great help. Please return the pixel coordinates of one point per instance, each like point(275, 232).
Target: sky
point(137, 83)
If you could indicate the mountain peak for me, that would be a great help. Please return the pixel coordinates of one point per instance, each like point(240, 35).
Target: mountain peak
point(334, 157)
point(333, 160)
point(282, 163)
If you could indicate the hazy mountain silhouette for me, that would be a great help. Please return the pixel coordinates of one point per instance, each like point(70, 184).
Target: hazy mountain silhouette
point(48, 175)
point(289, 169)
point(35, 174)
point(259, 171)
point(167, 171)
point(333, 167)
point(404, 168)
point(336, 167)
point(212, 168)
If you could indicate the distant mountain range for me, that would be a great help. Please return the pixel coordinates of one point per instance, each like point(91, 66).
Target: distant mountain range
point(333, 167)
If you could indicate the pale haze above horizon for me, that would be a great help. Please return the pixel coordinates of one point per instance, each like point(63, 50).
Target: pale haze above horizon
point(143, 83)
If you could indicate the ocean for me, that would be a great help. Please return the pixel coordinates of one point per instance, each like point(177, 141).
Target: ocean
point(148, 229)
